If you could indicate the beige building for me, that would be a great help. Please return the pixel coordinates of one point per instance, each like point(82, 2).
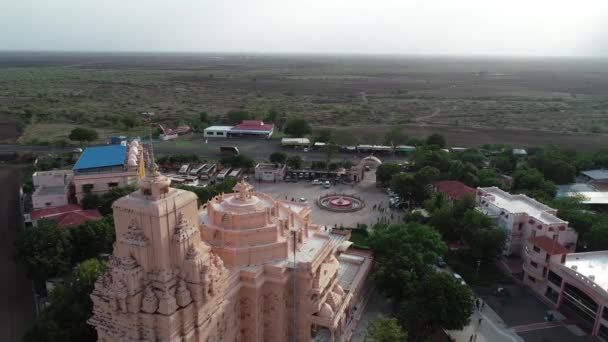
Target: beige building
point(52, 188)
point(243, 267)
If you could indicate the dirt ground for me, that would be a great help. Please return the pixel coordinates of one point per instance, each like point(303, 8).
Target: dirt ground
point(102, 90)
point(16, 297)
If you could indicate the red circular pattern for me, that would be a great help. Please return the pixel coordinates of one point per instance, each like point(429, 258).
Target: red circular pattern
point(340, 202)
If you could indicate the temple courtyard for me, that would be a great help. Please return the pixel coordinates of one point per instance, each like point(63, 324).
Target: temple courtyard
point(365, 190)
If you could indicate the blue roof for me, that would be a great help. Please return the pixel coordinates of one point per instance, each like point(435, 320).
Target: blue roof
point(102, 156)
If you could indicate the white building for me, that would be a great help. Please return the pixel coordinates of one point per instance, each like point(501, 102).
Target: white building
point(523, 218)
point(269, 172)
point(216, 131)
point(51, 188)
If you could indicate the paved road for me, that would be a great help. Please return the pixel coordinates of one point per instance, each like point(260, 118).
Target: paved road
point(16, 298)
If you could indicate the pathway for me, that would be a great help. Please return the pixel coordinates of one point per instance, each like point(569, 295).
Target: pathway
point(491, 329)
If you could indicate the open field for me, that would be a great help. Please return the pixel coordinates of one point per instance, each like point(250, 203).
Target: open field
point(108, 91)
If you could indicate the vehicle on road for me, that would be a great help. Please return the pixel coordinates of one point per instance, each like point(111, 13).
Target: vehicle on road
point(441, 263)
point(303, 200)
point(229, 150)
point(316, 182)
point(77, 150)
point(459, 278)
point(327, 185)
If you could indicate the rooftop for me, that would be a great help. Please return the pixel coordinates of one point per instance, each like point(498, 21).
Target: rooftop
point(67, 215)
point(454, 189)
point(599, 174)
point(253, 125)
point(101, 156)
point(521, 204)
point(548, 245)
point(567, 190)
point(218, 128)
point(50, 190)
point(592, 265)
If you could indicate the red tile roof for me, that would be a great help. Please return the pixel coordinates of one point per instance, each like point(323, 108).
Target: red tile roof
point(455, 190)
point(67, 216)
point(253, 125)
point(548, 245)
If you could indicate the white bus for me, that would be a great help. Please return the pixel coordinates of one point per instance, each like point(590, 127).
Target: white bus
point(223, 174)
point(208, 171)
point(236, 173)
point(184, 169)
point(197, 169)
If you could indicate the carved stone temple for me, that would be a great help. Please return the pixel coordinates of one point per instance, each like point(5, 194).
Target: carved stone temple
point(226, 271)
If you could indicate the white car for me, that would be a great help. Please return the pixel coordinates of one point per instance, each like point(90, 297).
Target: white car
point(303, 200)
point(327, 185)
point(459, 278)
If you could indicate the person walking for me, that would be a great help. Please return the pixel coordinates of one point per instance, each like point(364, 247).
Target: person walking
point(483, 304)
point(481, 319)
point(471, 338)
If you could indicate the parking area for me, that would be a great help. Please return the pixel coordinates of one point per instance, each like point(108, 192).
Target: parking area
point(366, 190)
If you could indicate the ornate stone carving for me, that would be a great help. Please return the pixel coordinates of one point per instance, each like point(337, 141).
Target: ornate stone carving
point(182, 294)
point(149, 303)
point(135, 235)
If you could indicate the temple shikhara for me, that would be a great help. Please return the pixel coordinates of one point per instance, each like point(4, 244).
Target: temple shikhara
point(243, 267)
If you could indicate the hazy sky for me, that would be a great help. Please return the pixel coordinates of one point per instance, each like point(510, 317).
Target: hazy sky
point(461, 27)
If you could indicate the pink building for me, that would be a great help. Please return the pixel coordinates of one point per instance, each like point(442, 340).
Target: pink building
point(524, 218)
point(243, 267)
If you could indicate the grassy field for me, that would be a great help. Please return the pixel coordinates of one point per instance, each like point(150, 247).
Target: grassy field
point(108, 92)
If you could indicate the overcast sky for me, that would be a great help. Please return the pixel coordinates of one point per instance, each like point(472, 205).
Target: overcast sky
point(453, 27)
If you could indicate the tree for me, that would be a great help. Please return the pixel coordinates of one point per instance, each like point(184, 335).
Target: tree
point(554, 169)
point(385, 329)
point(488, 177)
point(239, 160)
point(44, 250)
point(329, 149)
point(436, 301)
point(272, 116)
point(597, 237)
point(403, 252)
point(429, 157)
point(473, 156)
point(237, 116)
point(464, 172)
point(506, 163)
point(386, 171)
point(297, 127)
point(487, 244)
point(104, 201)
point(325, 135)
point(278, 158)
point(436, 140)
point(65, 318)
point(396, 136)
point(91, 239)
point(411, 188)
point(83, 134)
point(532, 180)
point(294, 162)
point(203, 117)
point(427, 174)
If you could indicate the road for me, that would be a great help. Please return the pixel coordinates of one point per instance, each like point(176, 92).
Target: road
point(16, 296)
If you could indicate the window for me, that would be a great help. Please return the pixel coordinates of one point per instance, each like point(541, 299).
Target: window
point(112, 185)
point(531, 279)
point(547, 257)
point(544, 271)
point(535, 265)
point(220, 133)
point(603, 332)
point(48, 204)
point(87, 188)
point(536, 249)
point(605, 313)
point(520, 226)
point(210, 133)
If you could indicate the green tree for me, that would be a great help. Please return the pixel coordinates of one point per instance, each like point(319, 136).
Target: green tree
point(488, 177)
point(237, 116)
point(44, 251)
point(240, 160)
point(436, 140)
point(271, 116)
point(278, 158)
point(436, 301)
point(553, 168)
point(294, 162)
point(487, 244)
point(530, 180)
point(203, 117)
point(325, 135)
point(597, 237)
point(386, 171)
point(505, 163)
point(91, 239)
point(385, 329)
point(65, 318)
point(403, 252)
point(396, 136)
point(464, 172)
point(472, 156)
point(297, 127)
point(329, 150)
point(81, 134)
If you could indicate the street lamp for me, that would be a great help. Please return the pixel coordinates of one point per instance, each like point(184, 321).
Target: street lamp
point(477, 270)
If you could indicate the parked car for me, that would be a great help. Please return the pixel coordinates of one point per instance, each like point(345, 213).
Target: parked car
point(303, 200)
point(441, 263)
point(459, 278)
point(317, 182)
point(327, 185)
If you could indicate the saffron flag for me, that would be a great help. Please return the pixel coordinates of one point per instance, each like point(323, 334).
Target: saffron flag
point(142, 169)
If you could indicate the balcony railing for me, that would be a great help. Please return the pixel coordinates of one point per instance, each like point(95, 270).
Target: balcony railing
point(534, 272)
point(536, 257)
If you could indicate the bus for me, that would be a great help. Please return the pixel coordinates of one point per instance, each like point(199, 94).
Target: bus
point(223, 174)
point(236, 173)
point(229, 150)
point(208, 171)
point(184, 169)
point(197, 169)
